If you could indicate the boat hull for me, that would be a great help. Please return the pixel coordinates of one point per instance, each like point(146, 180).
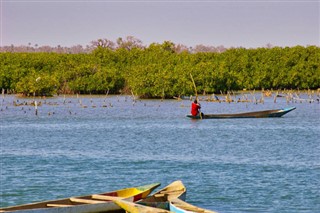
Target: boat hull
point(256, 114)
point(135, 207)
point(85, 204)
point(161, 198)
point(179, 206)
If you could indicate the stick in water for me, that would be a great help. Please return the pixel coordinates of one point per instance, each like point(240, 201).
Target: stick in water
point(195, 89)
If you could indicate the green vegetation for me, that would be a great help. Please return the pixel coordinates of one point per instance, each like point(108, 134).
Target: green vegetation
point(160, 71)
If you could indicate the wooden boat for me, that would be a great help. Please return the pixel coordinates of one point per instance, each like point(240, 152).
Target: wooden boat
point(102, 202)
point(131, 207)
point(256, 114)
point(179, 206)
point(174, 190)
point(161, 198)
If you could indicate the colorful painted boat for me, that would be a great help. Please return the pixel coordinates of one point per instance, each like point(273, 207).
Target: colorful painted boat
point(102, 202)
point(256, 114)
point(179, 206)
point(160, 199)
point(131, 207)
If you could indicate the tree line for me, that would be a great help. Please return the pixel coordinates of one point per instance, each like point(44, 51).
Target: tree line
point(128, 43)
point(159, 70)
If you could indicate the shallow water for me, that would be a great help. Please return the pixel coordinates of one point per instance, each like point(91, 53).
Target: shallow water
point(231, 165)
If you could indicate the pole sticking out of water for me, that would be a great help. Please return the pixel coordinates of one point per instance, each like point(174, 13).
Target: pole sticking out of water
point(2, 98)
point(36, 107)
point(262, 98)
point(133, 98)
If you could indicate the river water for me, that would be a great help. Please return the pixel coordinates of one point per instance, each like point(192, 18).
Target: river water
point(91, 144)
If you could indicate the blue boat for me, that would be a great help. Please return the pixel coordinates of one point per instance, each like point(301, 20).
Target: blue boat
point(180, 206)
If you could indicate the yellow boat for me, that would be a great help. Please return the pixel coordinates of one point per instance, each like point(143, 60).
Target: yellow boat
point(102, 202)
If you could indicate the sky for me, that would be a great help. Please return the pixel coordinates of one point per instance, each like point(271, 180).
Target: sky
point(231, 23)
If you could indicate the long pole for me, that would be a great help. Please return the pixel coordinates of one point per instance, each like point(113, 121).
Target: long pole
point(195, 90)
point(194, 85)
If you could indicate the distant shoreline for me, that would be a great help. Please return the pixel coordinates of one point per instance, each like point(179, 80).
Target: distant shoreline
point(266, 93)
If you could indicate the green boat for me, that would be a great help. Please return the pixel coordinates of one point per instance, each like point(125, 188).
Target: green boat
point(257, 114)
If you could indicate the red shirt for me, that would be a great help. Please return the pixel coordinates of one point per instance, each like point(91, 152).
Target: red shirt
point(195, 109)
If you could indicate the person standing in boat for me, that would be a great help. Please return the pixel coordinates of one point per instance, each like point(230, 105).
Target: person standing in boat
point(195, 108)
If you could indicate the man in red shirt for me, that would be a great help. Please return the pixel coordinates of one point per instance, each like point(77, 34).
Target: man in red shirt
point(195, 108)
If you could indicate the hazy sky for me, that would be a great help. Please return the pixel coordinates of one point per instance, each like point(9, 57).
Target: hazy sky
point(248, 23)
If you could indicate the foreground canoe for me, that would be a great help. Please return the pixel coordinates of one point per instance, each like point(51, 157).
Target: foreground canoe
point(161, 198)
point(174, 190)
point(102, 202)
point(257, 114)
point(179, 206)
point(131, 207)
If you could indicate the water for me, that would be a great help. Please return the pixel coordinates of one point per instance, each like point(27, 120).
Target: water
point(232, 165)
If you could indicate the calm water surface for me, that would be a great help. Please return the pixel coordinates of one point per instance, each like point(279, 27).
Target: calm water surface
point(232, 165)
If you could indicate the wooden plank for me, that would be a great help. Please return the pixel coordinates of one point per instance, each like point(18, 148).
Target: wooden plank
point(172, 191)
point(106, 197)
point(159, 195)
point(86, 201)
point(58, 205)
